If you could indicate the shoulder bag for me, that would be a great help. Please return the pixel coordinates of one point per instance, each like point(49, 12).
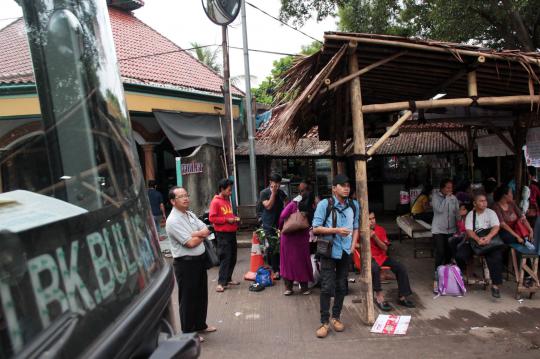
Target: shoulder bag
point(324, 245)
point(211, 257)
point(495, 243)
point(297, 221)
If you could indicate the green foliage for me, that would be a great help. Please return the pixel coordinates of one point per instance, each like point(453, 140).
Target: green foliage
point(497, 24)
point(271, 241)
point(207, 56)
point(265, 92)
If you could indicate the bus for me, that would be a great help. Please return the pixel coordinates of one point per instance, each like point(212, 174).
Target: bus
point(81, 271)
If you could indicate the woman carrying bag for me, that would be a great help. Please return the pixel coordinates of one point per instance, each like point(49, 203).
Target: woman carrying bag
point(294, 245)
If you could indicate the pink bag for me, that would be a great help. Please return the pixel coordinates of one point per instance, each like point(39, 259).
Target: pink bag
point(450, 281)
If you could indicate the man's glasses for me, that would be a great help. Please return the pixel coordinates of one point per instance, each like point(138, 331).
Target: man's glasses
point(182, 196)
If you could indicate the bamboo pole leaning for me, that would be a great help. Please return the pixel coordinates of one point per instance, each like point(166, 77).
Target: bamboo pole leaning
point(389, 132)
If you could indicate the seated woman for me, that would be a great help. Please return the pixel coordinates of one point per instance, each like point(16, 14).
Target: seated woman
point(515, 229)
point(421, 208)
point(485, 219)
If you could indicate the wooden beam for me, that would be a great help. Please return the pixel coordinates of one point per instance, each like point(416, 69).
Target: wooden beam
point(366, 69)
point(389, 133)
point(459, 145)
point(366, 289)
point(429, 48)
point(452, 102)
point(472, 87)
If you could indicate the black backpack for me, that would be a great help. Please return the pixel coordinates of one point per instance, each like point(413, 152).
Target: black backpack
point(331, 209)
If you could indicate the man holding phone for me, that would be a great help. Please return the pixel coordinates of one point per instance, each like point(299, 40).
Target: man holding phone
point(336, 219)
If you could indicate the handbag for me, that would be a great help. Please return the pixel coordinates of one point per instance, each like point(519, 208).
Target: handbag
point(297, 221)
point(212, 259)
point(324, 245)
point(520, 229)
point(495, 243)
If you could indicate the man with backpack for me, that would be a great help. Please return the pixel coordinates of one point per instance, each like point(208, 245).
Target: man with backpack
point(335, 219)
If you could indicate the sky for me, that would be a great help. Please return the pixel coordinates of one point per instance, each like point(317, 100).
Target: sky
point(184, 22)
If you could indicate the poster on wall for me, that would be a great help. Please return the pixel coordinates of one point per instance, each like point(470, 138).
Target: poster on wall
point(532, 147)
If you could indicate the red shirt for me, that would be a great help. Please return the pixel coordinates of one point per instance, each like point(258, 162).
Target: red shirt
point(220, 210)
point(376, 252)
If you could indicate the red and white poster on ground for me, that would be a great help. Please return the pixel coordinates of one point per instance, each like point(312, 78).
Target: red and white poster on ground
point(391, 324)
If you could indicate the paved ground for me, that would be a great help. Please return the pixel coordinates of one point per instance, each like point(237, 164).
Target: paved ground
point(269, 325)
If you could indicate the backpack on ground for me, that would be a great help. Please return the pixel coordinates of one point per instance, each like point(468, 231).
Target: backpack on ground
point(264, 276)
point(450, 281)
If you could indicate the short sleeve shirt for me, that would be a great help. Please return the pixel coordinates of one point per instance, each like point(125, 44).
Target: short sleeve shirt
point(270, 217)
point(485, 220)
point(345, 217)
point(179, 227)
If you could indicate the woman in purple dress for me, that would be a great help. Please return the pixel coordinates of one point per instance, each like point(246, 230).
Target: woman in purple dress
point(294, 248)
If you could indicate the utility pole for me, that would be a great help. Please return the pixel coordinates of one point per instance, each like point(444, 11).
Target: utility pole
point(229, 143)
point(250, 119)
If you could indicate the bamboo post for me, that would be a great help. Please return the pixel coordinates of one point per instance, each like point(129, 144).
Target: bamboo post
point(341, 126)
point(471, 84)
point(389, 132)
point(366, 287)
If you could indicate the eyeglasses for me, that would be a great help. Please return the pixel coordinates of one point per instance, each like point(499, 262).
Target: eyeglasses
point(182, 196)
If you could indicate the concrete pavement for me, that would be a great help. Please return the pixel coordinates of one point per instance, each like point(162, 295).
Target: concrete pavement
point(270, 325)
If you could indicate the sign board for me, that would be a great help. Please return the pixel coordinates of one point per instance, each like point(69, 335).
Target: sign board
point(193, 167)
point(532, 147)
point(391, 324)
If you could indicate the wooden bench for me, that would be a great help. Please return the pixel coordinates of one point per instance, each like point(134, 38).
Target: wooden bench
point(519, 272)
point(415, 229)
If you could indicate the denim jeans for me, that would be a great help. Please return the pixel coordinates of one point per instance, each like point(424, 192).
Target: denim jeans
point(334, 274)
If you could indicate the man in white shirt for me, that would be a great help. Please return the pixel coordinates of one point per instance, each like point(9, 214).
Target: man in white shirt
point(187, 233)
point(483, 230)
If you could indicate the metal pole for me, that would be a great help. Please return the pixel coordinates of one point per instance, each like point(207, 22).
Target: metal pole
point(226, 98)
point(250, 120)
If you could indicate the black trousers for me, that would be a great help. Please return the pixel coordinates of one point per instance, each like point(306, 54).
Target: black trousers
point(493, 259)
point(192, 282)
point(334, 274)
point(227, 251)
point(441, 247)
point(272, 258)
point(404, 287)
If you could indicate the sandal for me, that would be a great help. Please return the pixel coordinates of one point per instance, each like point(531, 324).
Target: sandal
point(276, 276)
point(232, 282)
point(220, 288)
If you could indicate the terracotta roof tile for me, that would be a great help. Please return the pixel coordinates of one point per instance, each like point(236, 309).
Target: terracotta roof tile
point(132, 38)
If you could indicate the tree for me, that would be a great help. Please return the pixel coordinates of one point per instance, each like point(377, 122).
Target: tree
point(494, 23)
point(207, 56)
point(265, 92)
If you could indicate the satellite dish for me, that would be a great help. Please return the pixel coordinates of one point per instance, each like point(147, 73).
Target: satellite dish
point(221, 12)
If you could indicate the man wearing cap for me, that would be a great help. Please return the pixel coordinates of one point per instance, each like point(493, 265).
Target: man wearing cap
point(273, 199)
point(343, 234)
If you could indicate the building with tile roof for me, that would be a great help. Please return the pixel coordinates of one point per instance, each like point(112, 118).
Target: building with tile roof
point(157, 74)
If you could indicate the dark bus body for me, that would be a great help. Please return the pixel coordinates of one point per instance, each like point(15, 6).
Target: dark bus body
point(81, 271)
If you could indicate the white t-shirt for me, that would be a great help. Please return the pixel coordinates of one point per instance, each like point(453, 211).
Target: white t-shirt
point(179, 227)
point(484, 220)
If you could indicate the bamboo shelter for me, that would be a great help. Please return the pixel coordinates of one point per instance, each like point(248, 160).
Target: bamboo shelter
point(361, 83)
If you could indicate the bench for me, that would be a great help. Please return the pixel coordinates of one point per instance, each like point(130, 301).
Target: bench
point(415, 229)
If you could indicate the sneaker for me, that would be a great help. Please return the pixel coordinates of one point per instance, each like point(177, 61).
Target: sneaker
point(322, 332)
point(288, 292)
point(338, 326)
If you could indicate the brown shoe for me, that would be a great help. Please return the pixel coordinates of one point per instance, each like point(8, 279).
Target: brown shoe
point(338, 326)
point(322, 332)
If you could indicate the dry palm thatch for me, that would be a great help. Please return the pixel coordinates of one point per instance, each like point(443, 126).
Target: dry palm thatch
point(295, 80)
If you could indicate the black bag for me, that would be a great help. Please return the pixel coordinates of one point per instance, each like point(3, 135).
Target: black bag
point(324, 245)
point(495, 243)
point(212, 258)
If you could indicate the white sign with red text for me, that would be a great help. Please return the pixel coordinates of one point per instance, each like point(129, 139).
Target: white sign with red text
point(391, 324)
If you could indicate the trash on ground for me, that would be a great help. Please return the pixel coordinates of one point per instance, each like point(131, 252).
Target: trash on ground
point(391, 324)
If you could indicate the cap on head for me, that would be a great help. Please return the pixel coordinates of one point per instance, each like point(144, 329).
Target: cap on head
point(340, 179)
